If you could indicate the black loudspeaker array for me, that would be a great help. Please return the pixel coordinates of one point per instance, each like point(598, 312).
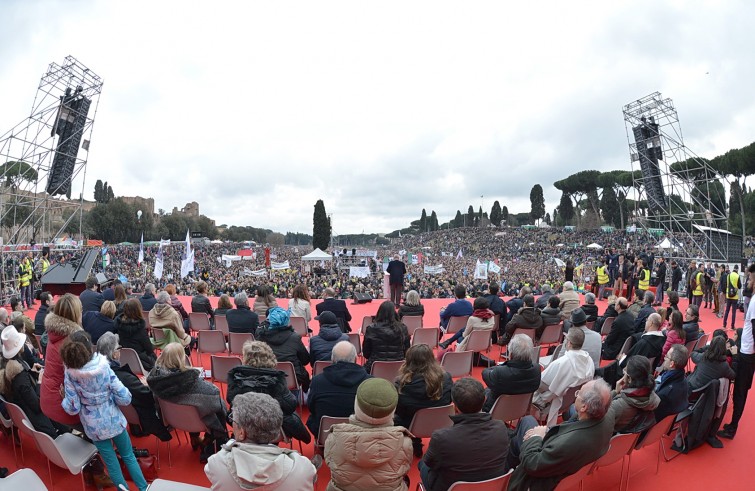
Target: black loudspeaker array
point(70, 123)
point(650, 152)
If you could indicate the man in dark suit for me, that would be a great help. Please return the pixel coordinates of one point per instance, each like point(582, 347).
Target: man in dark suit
point(672, 387)
point(338, 307)
point(396, 270)
point(623, 327)
point(242, 319)
point(91, 299)
point(548, 456)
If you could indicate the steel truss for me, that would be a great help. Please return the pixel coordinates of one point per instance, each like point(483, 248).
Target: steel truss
point(683, 202)
point(28, 214)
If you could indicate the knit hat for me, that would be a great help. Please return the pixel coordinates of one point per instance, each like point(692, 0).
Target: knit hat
point(277, 318)
point(13, 342)
point(327, 317)
point(376, 401)
point(578, 317)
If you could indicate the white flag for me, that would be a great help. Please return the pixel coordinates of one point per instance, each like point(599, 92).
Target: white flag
point(141, 251)
point(187, 261)
point(459, 255)
point(481, 271)
point(493, 267)
point(159, 263)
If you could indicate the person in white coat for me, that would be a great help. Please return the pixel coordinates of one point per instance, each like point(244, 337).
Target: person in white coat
point(571, 370)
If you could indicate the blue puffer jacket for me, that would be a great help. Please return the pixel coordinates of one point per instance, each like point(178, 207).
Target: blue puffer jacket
point(320, 346)
point(94, 393)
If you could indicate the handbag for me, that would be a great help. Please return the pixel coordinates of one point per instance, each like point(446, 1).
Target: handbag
point(147, 464)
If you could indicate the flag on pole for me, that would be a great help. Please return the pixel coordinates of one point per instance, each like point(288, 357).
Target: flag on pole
point(141, 251)
point(493, 267)
point(459, 255)
point(159, 263)
point(187, 260)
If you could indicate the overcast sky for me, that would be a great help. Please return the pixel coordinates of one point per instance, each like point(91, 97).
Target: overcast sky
point(257, 109)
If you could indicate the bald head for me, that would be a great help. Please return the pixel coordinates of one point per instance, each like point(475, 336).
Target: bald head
point(621, 304)
point(344, 351)
point(653, 323)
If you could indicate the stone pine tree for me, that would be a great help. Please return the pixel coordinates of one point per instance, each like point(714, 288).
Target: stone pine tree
point(495, 214)
point(609, 207)
point(321, 227)
point(537, 202)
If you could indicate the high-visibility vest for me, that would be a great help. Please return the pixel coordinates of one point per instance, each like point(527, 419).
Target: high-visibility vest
point(45, 265)
point(698, 291)
point(602, 275)
point(644, 279)
point(25, 277)
point(734, 282)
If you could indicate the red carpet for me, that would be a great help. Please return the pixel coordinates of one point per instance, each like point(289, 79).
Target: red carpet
point(703, 468)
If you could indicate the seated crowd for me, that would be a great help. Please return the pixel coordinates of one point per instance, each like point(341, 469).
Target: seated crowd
point(635, 349)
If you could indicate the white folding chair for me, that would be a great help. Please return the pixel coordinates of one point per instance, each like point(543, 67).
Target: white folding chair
point(130, 358)
point(221, 324)
point(322, 434)
point(236, 342)
point(219, 368)
point(511, 407)
point(25, 479)
point(209, 342)
point(300, 326)
point(165, 485)
point(198, 321)
point(456, 323)
point(386, 369)
point(412, 323)
point(320, 366)
point(429, 419)
point(426, 335)
point(180, 417)
point(621, 447)
point(293, 384)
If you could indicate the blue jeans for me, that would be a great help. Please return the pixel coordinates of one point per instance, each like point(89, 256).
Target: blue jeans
point(424, 473)
point(123, 444)
point(457, 336)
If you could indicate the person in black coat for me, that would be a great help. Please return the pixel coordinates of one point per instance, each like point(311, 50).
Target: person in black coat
point(421, 383)
point(328, 336)
point(551, 314)
point(647, 309)
point(610, 312)
point(396, 270)
point(542, 300)
point(518, 375)
point(691, 324)
point(475, 448)
point(91, 299)
point(589, 307)
point(148, 300)
point(623, 327)
point(242, 318)
point(671, 387)
point(336, 306)
point(98, 323)
point(200, 302)
point(285, 343)
point(387, 339)
point(411, 306)
point(332, 392)
point(132, 332)
point(259, 374)
point(650, 344)
point(141, 396)
point(39, 318)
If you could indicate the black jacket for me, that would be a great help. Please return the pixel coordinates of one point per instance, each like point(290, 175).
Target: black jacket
point(672, 390)
point(396, 269)
point(526, 318)
point(24, 392)
point(287, 346)
point(591, 311)
point(705, 371)
point(551, 315)
point(410, 310)
point(142, 400)
point(200, 303)
point(513, 377)
point(243, 379)
point(321, 346)
point(676, 278)
point(242, 319)
point(91, 300)
point(413, 397)
point(622, 328)
point(642, 317)
point(649, 346)
point(497, 305)
point(97, 324)
point(384, 343)
point(332, 392)
point(133, 334)
point(339, 308)
point(39, 320)
point(691, 331)
point(610, 312)
point(473, 449)
point(542, 300)
point(148, 301)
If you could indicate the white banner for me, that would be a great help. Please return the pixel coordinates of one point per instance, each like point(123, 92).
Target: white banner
point(259, 272)
point(481, 271)
point(437, 269)
point(359, 271)
point(164, 242)
point(493, 267)
point(283, 265)
point(187, 262)
point(159, 263)
point(228, 259)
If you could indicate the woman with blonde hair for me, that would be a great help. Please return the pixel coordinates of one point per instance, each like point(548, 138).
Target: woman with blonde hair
point(421, 383)
point(98, 323)
point(299, 305)
point(411, 306)
point(259, 374)
point(172, 380)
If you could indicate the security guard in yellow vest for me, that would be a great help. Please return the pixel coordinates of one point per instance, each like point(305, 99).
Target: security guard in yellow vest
point(731, 290)
point(603, 278)
point(25, 271)
point(697, 290)
point(644, 277)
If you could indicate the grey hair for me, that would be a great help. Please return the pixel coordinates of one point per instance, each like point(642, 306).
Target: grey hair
point(679, 355)
point(568, 286)
point(149, 288)
point(412, 298)
point(259, 415)
point(107, 344)
point(520, 348)
point(343, 351)
point(655, 319)
point(649, 297)
point(596, 396)
point(3, 315)
point(15, 315)
point(163, 297)
point(590, 298)
point(241, 300)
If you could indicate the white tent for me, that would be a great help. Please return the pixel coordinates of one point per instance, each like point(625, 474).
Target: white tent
point(317, 255)
point(666, 244)
point(594, 246)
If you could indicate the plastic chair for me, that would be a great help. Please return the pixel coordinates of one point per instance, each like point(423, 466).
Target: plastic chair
point(209, 342)
point(180, 417)
point(552, 334)
point(8, 425)
point(367, 320)
point(165, 485)
point(702, 341)
point(456, 323)
point(130, 358)
point(18, 416)
point(220, 366)
point(132, 417)
point(510, 407)
point(236, 342)
point(429, 419)
point(66, 451)
point(221, 324)
point(654, 435)
point(300, 326)
point(25, 479)
point(198, 321)
point(625, 347)
point(356, 341)
point(621, 446)
point(386, 369)
point(495, 484)
point(605, 329)
point(147, 325)
point(322, 434)
point(320, 366)
point(412, 323)
point(426, 335)
point(569, 397)
point(546, 360)
point(479, 340)
point(293, 384)
point(158, 335)
point(574, 479)
point(458, 363)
